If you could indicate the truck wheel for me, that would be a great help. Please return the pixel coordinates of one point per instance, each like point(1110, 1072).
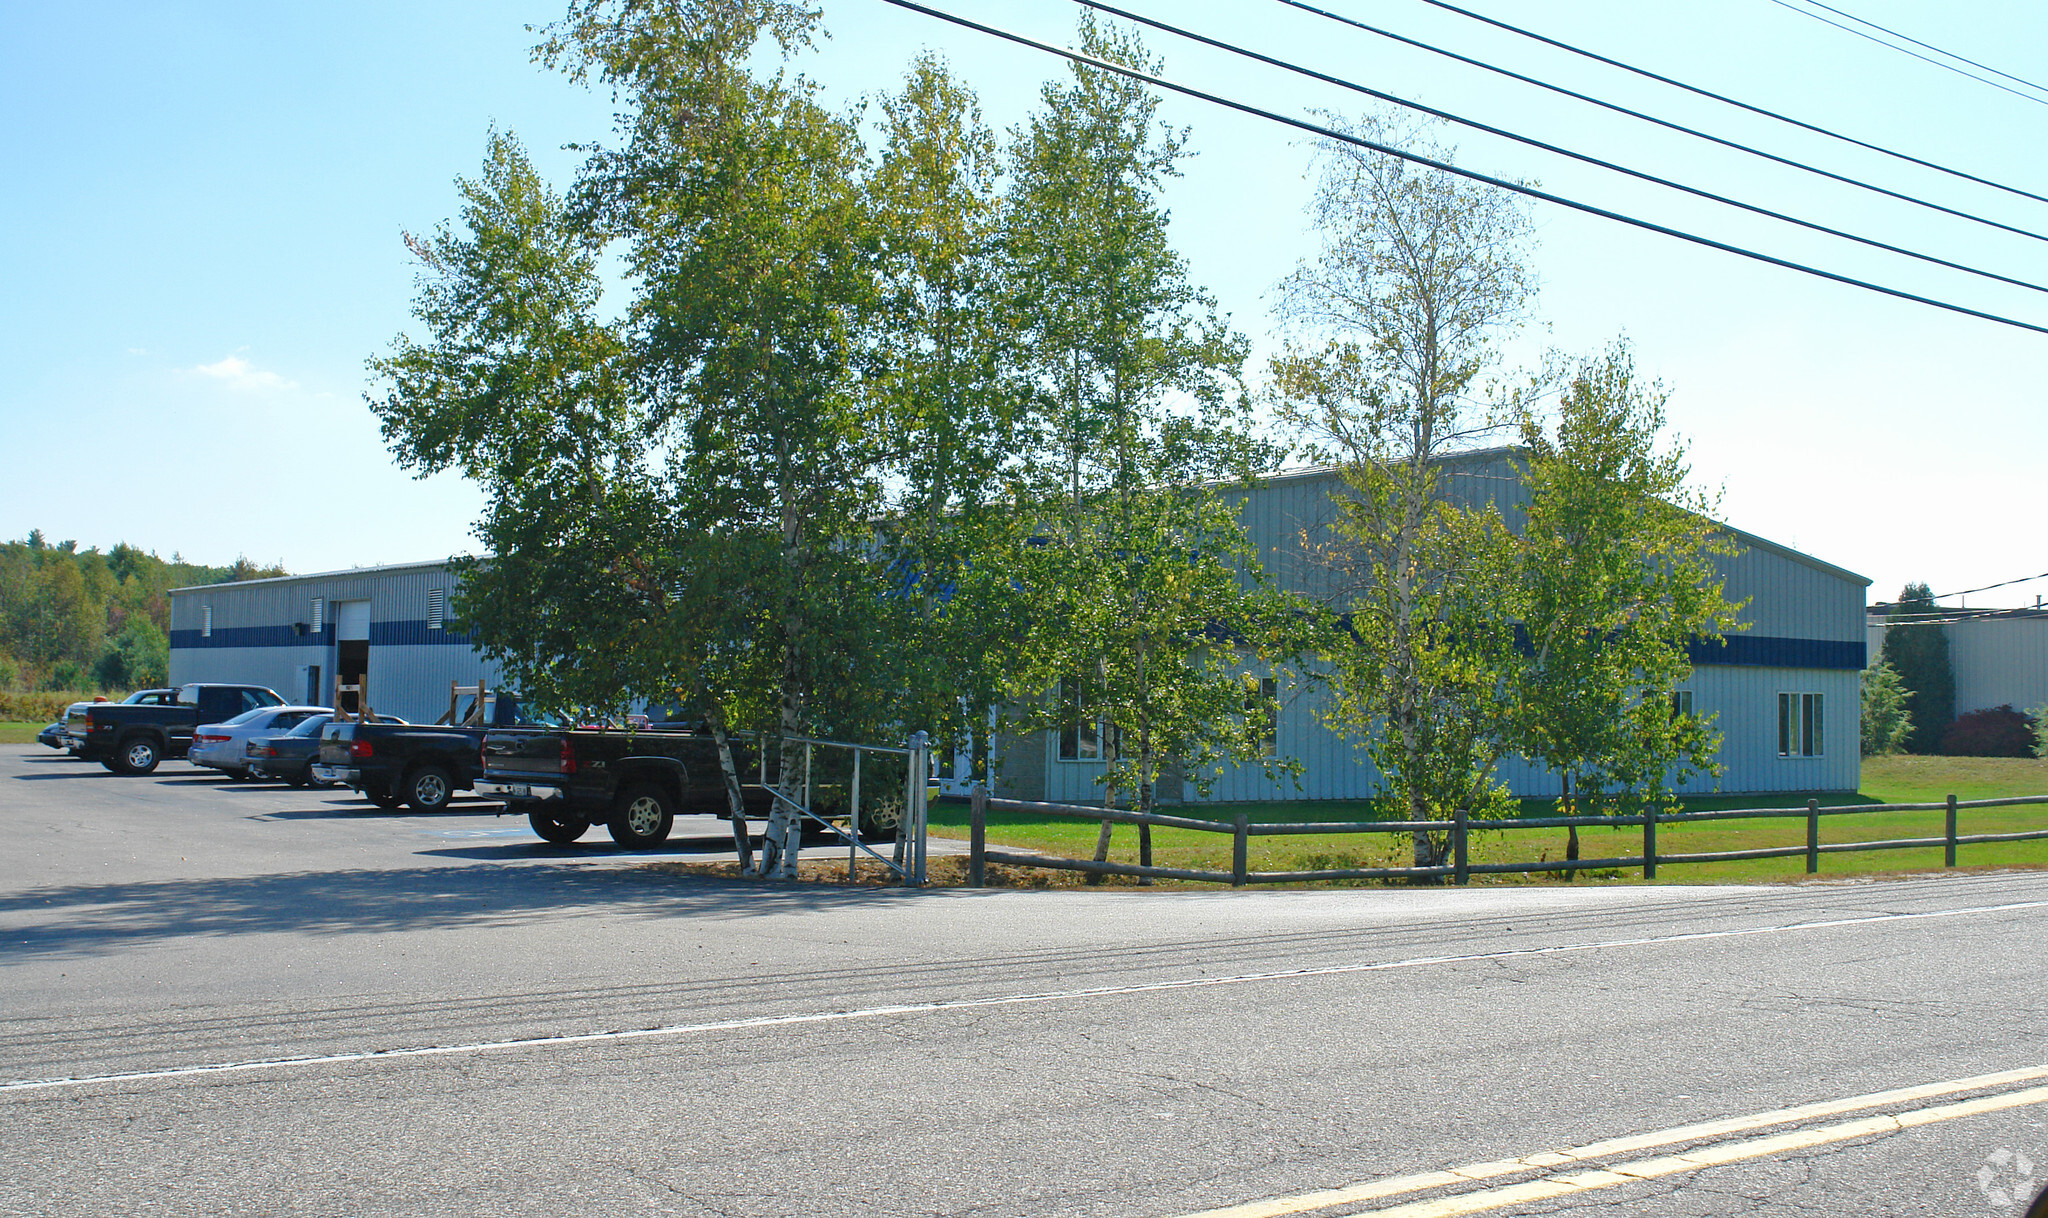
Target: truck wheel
point(427, 788)
point(642, 817)
point(137, 756)
point(384, 799)
point(559, 829)
point(880, 821)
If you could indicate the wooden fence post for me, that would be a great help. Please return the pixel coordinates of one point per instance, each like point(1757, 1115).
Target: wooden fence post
point(1459, 860)
point(1813, 837)
point(1949, 851)
point(1240, 851)
point(977, 850)
point(1649, 841)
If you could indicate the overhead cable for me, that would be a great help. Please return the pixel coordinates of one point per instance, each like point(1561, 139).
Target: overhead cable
point(1474, 124)
point(1726, 100)
point(2025, 579)
point(1893, 46)
point(1519, 188)
point(1664, 123)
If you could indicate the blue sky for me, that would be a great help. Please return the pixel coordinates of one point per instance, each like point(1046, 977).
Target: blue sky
point(200, 218)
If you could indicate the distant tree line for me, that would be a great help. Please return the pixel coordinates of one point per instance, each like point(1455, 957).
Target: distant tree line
point(87, 621)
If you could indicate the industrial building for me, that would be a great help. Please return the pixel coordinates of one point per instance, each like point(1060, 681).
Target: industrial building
point(1999, 657)
point(302, 635)
point(1784, 691)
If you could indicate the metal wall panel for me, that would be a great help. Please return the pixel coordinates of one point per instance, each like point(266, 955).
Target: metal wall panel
point(1999, 662)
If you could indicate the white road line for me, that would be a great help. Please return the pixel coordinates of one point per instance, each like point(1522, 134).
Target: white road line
point(1378, 1190)
point(968, 1004)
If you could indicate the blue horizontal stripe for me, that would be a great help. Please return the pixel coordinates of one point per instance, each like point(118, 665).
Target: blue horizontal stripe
point(382, 634)
point(1765, 651)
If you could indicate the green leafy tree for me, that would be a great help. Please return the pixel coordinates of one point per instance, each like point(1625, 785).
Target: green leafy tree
point(1917, 649)
point(137, 658)
point(1400, 317)
point(1887, 717)
point(1150, 602)
point(1613, 576)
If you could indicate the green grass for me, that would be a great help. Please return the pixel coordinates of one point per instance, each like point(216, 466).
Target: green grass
point(20, 733)
point(1885, 780)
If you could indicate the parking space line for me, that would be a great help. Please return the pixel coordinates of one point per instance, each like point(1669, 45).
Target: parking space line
point(1008, 1000)
point(1647, 1169)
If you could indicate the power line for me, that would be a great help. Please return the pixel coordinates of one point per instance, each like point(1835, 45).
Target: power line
point(1915, 54)
point(1447, 116)
point(1532, 192)
point(1740, 105)
point(2025, 579)
point(1665, 123)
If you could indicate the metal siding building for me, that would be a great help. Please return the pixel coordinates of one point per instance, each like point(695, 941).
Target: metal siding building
point(2000, 659)
point(1805, 636)
point(298, 633)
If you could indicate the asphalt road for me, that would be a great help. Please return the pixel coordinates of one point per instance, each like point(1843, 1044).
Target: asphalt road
point(485, 1024)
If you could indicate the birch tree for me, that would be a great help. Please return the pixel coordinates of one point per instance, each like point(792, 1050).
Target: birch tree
point(1151, 602)
point(1613, 577)
point(1399, 320)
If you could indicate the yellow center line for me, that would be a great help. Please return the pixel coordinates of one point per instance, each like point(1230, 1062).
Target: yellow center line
point(1555, 1186)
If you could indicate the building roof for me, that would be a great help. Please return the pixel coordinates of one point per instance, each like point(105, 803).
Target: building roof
point(287, 579)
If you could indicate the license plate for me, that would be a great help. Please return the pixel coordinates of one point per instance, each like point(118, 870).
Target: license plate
point(519, 790)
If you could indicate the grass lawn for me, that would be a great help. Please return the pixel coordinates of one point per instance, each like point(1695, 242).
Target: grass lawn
point(1885, 780)
point(20, 733)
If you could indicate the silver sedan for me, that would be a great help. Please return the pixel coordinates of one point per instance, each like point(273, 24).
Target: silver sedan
point(223, 746)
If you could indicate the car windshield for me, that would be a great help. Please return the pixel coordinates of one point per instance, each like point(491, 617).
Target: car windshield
point(311, 727)
point(142, 697)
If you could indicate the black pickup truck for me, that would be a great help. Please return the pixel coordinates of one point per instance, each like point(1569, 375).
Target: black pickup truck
point(132, 739)
point(633, 782)
point(393, 763)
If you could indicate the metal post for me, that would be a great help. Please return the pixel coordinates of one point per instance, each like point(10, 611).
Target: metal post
point(1240, 851)
point(918, 774)
point(853, 818)
point(977, 839)
point(1949, 850)
point(1813, 837)
point(809, 749)
point(1461, 862)
point(1650, 842)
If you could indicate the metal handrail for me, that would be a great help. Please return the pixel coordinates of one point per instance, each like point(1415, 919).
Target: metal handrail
point(852, 837)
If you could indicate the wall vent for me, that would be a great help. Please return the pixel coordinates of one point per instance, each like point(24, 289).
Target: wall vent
point(437, 605)
point(319, 614)
point(206, 621)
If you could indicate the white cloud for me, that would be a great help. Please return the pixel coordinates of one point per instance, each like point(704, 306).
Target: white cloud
point(238, 373)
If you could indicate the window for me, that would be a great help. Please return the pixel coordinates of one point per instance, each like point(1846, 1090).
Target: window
point(206, 621)
point(1681, 704)
point(1262, 709)
point(319, 614)
point(1082, 737)
point(437, 605)
point(1799, 725)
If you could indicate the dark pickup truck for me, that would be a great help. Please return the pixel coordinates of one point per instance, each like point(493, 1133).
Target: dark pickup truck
point(132, 739)
point(633, 782)
point(393, 763)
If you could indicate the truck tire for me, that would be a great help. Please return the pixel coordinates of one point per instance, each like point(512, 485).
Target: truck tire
point(642, 817)
point(560, 829)
point(137, 755)
point(428, 788)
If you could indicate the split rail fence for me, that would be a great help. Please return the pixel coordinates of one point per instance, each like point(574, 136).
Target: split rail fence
point(1460, 828)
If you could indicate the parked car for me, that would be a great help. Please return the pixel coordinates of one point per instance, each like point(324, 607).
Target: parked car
point(53, 736)
point(393, 763)
point(224, 746)
point(141, 697)
point(634, 783)
point(131, 738)
point(289, 757)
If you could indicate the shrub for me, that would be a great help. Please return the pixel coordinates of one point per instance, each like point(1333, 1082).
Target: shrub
point(2040, 717)
point(1999, 732)
point(44, 707)
point(67, 674)
point(1887, 717)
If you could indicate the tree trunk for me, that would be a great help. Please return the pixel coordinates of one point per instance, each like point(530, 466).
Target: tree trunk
point(1571, 838)
point(735, 802)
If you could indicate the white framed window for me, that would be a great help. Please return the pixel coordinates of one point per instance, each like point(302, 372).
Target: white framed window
point(206, 621)
point(1262, 710)
point(1083, 736)
point(1799, 726)
point(1681, 704)
point(319, 614)
point(437, 607)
